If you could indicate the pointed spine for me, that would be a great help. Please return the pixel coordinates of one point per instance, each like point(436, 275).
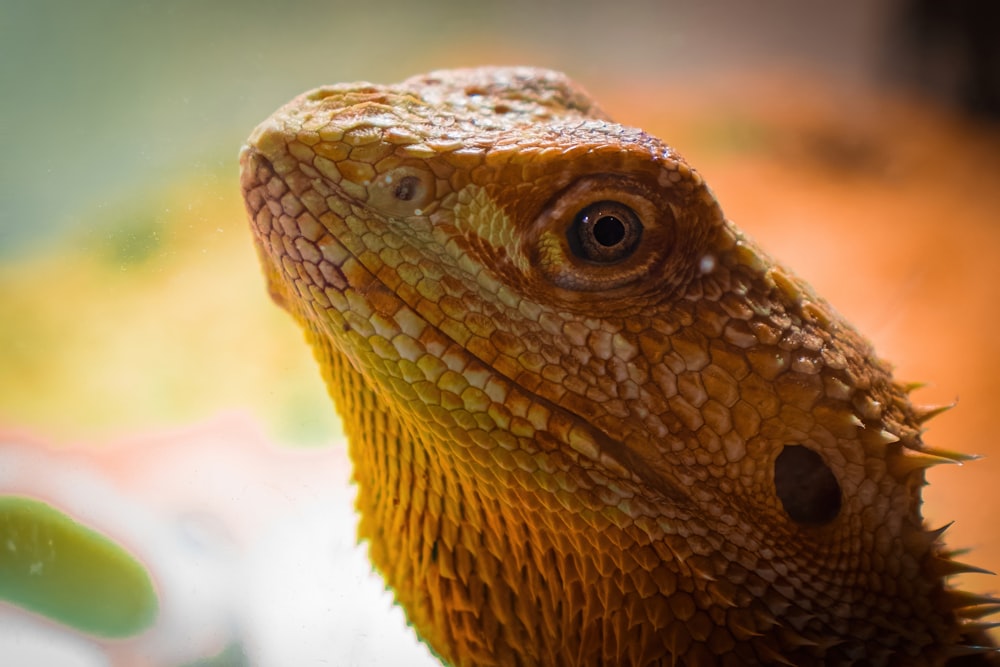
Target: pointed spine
point(924, 413)
point(919, 541)
point(956, 600)
point(962, 650)
point(954, 457)
point(910, 387)
point(980, 611)
point(910, 460)
point(944, 567)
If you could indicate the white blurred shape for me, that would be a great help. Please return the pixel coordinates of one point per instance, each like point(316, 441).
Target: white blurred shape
point(314, 599)
point(246, 542)
point(28, 642)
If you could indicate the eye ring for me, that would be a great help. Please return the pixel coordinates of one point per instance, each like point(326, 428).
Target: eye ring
point(604, 232)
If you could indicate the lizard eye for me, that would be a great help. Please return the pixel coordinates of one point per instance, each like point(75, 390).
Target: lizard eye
point(604, 232)
point(806, 486)
point(587, 239)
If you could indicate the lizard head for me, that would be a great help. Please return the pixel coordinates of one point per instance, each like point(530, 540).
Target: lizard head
point(553, 314)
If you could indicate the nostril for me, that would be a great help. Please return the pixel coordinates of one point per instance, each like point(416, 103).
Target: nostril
point(401, 192)
point(407, 188)
point(806, 486)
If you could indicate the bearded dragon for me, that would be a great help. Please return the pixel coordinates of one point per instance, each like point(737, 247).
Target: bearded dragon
point(591, 422)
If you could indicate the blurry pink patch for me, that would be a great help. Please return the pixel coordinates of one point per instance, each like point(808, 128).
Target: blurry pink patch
point(222, 470)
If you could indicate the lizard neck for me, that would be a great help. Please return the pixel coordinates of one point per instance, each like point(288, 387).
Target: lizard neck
point(459, 554)
point(494, 573)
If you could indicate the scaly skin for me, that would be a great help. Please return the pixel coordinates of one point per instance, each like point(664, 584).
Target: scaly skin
point(630, 439)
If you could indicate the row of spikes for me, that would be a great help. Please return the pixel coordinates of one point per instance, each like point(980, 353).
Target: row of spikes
point(969, 608)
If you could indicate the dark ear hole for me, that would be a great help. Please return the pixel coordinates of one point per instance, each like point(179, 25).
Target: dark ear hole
point(806, 486)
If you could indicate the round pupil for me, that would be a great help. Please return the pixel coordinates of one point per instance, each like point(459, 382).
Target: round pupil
point(609, 231)
point(604, 232)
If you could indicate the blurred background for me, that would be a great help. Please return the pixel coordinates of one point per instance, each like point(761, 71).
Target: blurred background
point(142, 365)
